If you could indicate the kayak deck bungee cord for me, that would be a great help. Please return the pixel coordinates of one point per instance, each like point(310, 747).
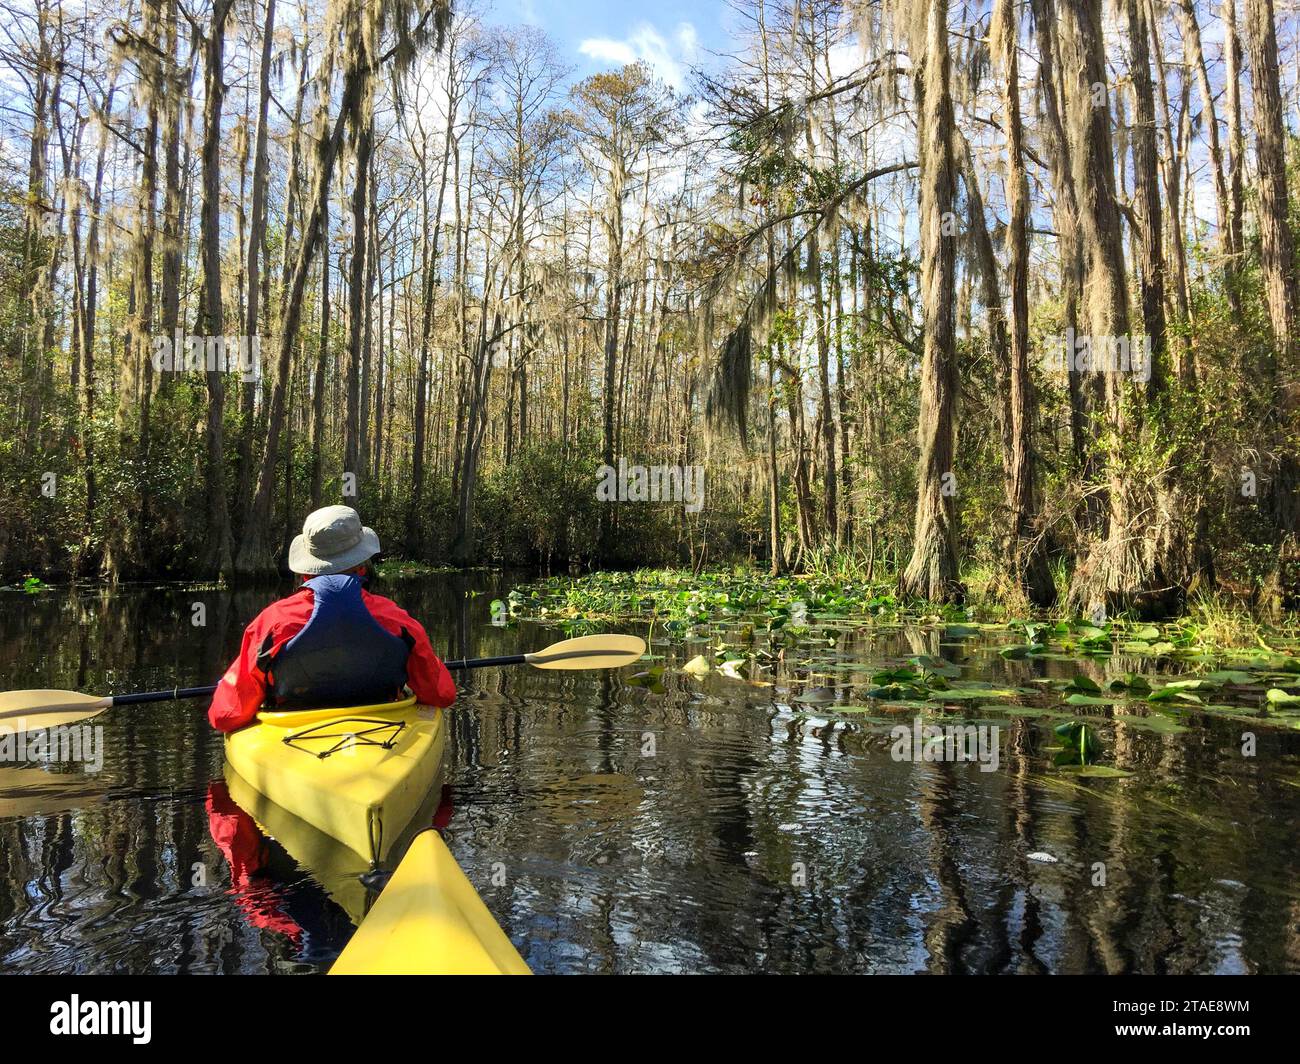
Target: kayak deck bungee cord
point(357, 774)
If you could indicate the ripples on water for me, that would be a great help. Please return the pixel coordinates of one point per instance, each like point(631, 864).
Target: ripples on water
point(759, 837)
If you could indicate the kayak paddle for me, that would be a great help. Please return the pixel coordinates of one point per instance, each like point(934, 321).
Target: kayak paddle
point(48, 709)
point(585, 652)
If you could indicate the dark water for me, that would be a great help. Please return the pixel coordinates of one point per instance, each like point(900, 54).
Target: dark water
point(713, 826)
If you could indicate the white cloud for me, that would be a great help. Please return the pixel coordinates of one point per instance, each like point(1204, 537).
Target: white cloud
point(668, 58)
point(602, 49)
point(687, 40)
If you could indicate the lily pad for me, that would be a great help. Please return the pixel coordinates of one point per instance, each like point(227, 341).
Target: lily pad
point(1155, 723)
point(1131, 681)
point(1171, 693)
point(1236, 677)
point(1020, 650)
point(1092, 700)
point(937, 666)
point(904, 691)
point(970, 694)
point(900, 675)
point(816, 696)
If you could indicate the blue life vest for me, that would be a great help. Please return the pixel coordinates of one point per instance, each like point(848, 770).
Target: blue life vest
point(342, 656)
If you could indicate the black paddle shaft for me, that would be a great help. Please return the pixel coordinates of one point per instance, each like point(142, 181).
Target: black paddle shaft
point(199, 692)
point(162, 696)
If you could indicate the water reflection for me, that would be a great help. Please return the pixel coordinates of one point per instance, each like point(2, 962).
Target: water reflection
point(715, 826)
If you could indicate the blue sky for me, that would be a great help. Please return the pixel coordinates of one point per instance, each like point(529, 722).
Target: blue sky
point(604, 34)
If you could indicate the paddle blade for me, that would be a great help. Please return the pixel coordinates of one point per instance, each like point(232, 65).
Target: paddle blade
point(30, 710)
point(589, 652)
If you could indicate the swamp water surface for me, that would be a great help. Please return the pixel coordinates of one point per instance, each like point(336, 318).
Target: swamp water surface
point(675, 822)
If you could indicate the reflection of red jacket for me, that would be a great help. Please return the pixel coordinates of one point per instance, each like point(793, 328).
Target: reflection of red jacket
point(237, 836)
point(257, 893)
point(243, 690)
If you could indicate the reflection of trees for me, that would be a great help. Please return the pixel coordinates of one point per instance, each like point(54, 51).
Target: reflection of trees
point(950, 925)
point(617, 862)
point(1018, 829)
point(107, 884)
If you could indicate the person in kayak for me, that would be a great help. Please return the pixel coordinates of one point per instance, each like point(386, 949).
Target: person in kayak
point(331, 643)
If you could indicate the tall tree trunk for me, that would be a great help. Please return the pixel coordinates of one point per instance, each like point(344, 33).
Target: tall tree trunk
point(216, 561)
point(825, 416)
point(89, 315)
point(1232, 73)
point(31, 309)
point(775, 559)
point(1188, 559)
point(173, 122)
point(1146, 191)
point(293, 185)
point(933, 573)
point(1100, 579)
point(256, 241)
point(1066, 217)
point(1122, 566)
point(373, 250)
point(1210, 123)
point(1029, 557)
point(318, 370)
point(1278, 263)
point(1174, 283)
point(363, 132)
point(613, 312)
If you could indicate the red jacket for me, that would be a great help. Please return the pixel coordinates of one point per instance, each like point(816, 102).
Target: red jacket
point(243, 689)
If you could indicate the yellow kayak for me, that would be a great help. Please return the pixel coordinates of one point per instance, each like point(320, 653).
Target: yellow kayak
point(429, 920)
point(359, 775)
point(343, 790)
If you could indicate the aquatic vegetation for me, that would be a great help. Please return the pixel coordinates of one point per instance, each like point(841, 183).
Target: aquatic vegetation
point(812, 638)
point(1155, 722)
point(1079, 743)
point(683, 597)
point(406, 569)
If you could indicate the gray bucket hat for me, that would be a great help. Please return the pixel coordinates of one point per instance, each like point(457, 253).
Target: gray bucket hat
point(333, 540)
